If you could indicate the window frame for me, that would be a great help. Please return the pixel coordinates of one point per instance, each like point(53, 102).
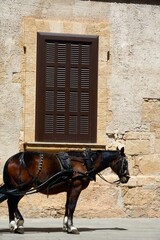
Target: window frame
point(41, 53)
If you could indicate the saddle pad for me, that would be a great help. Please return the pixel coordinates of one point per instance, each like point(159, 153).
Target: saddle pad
point(65, 160)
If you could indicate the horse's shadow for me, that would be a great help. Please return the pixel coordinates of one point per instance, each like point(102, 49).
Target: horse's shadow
point(56, 230)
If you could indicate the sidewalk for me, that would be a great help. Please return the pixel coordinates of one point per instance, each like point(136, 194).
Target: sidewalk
point(92, 229)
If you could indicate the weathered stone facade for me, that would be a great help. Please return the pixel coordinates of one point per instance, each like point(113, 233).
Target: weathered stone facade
point(128, 96)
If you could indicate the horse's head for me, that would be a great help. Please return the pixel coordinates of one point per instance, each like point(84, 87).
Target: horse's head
point(116, 160)
point(120, 166)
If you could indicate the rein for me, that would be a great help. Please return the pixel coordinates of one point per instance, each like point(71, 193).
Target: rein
point(22, 163)
point(56, 179)
point(104, 179)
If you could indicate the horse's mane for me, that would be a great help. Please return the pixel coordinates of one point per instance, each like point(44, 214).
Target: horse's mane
point(75, 153)
point(107, 154)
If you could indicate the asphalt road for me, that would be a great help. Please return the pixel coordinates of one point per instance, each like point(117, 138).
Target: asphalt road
point(92, 229)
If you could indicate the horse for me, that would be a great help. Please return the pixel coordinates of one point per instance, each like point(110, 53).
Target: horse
point(49, 173)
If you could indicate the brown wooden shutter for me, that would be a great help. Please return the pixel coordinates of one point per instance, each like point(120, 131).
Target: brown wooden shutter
point(66, 92)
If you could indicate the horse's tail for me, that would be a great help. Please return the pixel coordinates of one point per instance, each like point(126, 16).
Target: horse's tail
point(3, 187)
point(3, 193)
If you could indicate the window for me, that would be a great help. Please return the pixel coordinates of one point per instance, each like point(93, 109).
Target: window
point(66, 88)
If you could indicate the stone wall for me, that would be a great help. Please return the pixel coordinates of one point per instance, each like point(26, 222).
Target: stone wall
point(128, 96)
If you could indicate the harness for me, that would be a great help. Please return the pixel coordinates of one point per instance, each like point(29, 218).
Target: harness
point(65, 174)
point(23, 164)
point(88, 162)
point(65, 163)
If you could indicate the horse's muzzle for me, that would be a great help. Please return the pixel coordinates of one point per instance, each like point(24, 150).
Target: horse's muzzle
point(124, 179)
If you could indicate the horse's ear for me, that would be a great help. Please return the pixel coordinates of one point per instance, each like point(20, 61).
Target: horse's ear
point(122, 151)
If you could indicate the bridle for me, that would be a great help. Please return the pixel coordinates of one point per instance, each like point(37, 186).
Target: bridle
point(121, 173)
point(124, 162)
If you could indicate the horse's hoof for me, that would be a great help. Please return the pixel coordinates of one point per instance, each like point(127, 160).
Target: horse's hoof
point(12, 226)
point(19, 230)
point(73, 230)
point(16, 226)
point(64, 229)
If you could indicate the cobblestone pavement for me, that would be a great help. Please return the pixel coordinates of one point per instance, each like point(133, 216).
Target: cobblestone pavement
point(92, 229)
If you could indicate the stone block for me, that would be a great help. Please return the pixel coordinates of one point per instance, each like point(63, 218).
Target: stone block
point(103, 74)
point(30, 91)
point(29, 107)
point(138, 196)
point(30, 38)
point(31, 50)
point(101, 137)
point(102, 93)
point(137, 135)
point(157, 133)
point(42, 25)
point(101, 123)
point(150, 164)
point(151, 110)
point(31, 64)
point(29, 24)
point(102, 109)
point(29, 120)
point(157, 146)
point(67, 26)
point(154, 126)
point(30, 79)
point(77, 27)
point(135, 147)
point(29, 134)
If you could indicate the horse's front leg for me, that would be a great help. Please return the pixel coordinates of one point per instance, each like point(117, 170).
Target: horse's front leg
point(72, 197)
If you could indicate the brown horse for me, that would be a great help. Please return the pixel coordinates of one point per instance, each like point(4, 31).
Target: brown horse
point(30, 172)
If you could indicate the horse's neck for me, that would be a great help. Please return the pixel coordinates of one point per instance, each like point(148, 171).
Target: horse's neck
point(100, 165)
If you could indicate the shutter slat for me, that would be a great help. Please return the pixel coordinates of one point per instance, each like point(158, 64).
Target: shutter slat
point(50, 52)
point(85, 54)
point(50, 71)
point(73, 124)
point(49, 101)
point(61, 101)
point(60, 124)
point(84, 128)
point(61, 76)
point(74, 78)
point(74, 53)
point(73, 102)
point(62, 53)
point(49, 123)
point(84, 102)
point(85, 78)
